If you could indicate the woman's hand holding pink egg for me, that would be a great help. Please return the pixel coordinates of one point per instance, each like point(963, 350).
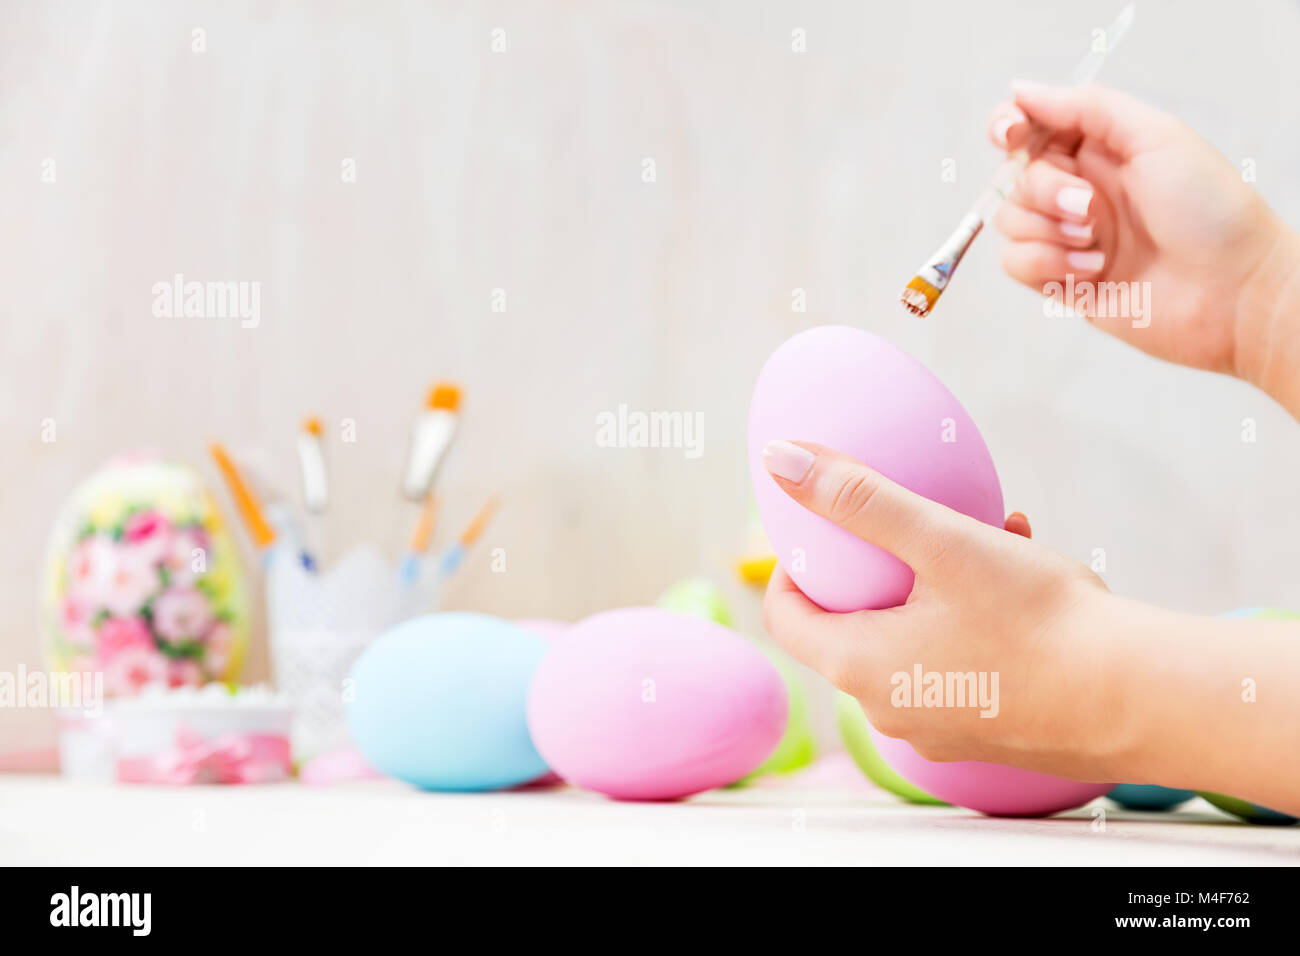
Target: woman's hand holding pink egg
point(984, 600)
point(1091, 686)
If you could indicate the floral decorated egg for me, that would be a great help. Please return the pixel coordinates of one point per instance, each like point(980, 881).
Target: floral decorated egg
point(143, 582)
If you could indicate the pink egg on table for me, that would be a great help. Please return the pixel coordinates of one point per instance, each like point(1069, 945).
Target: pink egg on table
point(647, 704)
point(852, 391)
point(337, 766)
point(987, 787)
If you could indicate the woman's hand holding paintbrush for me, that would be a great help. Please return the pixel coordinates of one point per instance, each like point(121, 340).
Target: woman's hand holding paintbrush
point(924, 289)
point(1123, 193)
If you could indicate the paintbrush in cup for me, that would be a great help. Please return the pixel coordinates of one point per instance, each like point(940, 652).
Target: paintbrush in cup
point(409, 570)
point(452, 558)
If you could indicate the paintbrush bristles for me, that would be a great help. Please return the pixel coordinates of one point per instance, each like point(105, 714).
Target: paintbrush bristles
point(919, 296)
point(444, 395)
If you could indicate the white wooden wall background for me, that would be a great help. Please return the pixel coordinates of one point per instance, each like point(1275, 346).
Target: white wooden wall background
point(522, 170)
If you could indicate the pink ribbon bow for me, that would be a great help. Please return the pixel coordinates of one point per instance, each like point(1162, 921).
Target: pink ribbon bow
point(234, 758)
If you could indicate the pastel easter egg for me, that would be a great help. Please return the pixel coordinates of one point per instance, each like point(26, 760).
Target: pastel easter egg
point(797, 747)
point(855, 731)
point(143, 582)
point(853, 391)
point(1253, 812)
point(990, 788)
point(439, 702)
point(1141, 796)
point(648, 704)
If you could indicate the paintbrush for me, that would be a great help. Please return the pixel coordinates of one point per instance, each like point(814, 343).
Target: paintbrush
point(409, 571)
point(246, 503)
point(451, 559)
point(265, 524)
point(920, 295)
point(311, 462)
point(430, 439)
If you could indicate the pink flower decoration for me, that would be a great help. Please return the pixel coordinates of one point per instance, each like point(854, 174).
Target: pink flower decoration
point(133, 669)
point(184, 673)
point(116, 578)
point(181, 613)
point(220, 642)
point(149, 534)
point(117, 635)
point(91, 566)
point(179, 559)
point(77, 625)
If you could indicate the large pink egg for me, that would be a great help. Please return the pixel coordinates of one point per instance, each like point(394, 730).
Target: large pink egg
point(854, 392)
point(647, 704)
point(987, 787)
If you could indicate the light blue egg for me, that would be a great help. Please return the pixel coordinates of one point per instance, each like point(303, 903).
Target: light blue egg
point(1138, 796)
point(439, 701)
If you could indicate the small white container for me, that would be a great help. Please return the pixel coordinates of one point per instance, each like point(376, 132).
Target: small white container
point(205, 735)
point(319, 624)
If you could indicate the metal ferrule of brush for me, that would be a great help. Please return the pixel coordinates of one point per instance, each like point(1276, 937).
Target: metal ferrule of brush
point(941, 265)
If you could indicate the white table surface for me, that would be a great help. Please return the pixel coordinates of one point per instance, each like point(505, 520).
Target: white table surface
point(45, 820)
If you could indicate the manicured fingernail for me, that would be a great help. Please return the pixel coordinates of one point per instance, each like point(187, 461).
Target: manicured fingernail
point(1003, 126)
point(1076, 231)
point(1075, 200)
point(1089, 261)
point(787, 460)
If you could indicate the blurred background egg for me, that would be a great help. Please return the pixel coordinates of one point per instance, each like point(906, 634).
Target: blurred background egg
point(1140, 796)
point(698, 597)
point(1250, 812)
point(142, 580)
point(797, 747)
point(438, 701)
point(648, 704)
point(852, 391)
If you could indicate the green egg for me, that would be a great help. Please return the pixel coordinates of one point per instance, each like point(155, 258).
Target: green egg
point(1250, 812)
point(699, 598)
point(855, 732)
